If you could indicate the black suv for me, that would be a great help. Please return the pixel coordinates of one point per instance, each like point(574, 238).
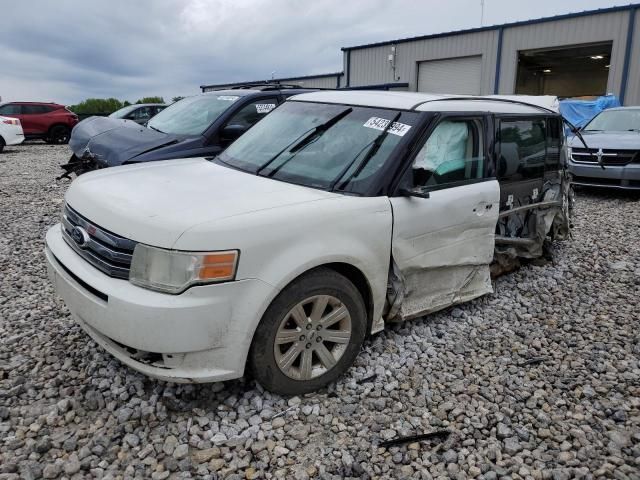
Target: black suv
point(199, 126)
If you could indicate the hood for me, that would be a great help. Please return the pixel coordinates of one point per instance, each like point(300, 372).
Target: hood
point(114, 141)
point(155, 203)
point(608, 140)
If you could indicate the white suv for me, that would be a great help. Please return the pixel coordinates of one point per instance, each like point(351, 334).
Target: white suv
point(338, 212)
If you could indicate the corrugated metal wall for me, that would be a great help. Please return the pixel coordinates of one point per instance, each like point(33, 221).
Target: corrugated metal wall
point(574, 31)
point(632, 96)
point(371, 65)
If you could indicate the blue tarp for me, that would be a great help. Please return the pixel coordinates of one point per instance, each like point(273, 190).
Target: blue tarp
point(579, 112)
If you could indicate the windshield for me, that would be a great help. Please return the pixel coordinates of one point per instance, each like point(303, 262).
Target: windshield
point(123, 112)
point(615, 121)
point(321, 145)
point(192, 115)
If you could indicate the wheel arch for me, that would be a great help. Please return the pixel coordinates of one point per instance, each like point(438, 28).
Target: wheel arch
point(58, 124)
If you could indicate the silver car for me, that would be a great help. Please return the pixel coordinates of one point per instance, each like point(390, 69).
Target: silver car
point(613, 138)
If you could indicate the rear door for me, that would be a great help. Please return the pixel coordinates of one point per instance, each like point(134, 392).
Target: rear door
point(521, 155)
point(443, 244)
point(34, 119)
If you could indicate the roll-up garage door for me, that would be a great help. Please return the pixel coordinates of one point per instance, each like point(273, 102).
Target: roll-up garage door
point(453, 75)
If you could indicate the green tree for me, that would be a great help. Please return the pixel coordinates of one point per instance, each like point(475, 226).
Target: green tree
point(151, 100)
point(103, 106)
point(176, 99)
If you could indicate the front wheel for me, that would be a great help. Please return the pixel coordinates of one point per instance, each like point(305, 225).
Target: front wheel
point(1, 144)
point(309, 335)
point(59, 135)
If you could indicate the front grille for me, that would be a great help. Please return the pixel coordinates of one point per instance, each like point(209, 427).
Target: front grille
point(609, 156)
point(106, 251)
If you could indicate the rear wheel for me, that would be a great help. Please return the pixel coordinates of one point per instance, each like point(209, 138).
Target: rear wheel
point(309, 335)
point(59, 135)
point(1, 144)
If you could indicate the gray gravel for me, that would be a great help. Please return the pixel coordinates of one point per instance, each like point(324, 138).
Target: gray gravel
point(68, 410)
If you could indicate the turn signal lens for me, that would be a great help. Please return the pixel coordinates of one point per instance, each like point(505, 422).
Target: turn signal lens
point(218, 266)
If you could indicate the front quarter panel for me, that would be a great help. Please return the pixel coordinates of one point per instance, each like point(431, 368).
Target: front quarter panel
point(280, 244)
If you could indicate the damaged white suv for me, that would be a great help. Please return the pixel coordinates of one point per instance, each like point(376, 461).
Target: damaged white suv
point(337, 213)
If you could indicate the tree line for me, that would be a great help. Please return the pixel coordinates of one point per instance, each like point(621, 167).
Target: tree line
point(106, 106)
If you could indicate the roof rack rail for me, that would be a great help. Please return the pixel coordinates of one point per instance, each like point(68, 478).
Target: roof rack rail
point(261, 86)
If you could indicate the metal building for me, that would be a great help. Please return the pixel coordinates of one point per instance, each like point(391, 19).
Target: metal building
point(578, 54)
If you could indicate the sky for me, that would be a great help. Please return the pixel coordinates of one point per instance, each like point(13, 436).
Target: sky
point(69, 50)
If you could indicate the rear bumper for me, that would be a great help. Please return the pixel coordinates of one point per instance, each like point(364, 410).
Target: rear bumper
point(625, 177)
point(202, 335)
point(13, 136)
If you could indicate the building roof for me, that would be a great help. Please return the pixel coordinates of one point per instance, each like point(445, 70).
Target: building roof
point(565, 16)
point(433, 102)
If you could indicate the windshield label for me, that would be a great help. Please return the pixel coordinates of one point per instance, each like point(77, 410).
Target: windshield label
point(396, 128)
point(265, 107)
point(228, 98)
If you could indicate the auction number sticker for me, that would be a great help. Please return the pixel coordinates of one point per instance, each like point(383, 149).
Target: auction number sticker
point(228, 98)
point(399, 129)
point(265, 107)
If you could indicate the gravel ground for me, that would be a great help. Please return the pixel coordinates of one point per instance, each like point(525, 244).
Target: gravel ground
point(539, 380)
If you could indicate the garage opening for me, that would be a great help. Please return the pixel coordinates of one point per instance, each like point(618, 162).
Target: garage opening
point(577, 71)
point(453, 75)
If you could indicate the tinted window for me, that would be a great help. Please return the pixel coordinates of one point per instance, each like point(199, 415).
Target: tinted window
point(10, 109)
point(35, 109)
point(123, 112)
point(522, 147)
point(453, 153)
point(554, 143)
point(252, 112)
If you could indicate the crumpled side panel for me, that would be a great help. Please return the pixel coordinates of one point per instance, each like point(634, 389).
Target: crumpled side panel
point(420, 292)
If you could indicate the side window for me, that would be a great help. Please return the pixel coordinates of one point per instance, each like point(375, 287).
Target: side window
point(10, 109)
point(252, 112)
point(554, 144)
point(142, 113)
point(522, 149)
point(453, 153)
point(31, 109)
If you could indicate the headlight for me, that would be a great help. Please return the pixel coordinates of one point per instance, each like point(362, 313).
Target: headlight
point(172, 271)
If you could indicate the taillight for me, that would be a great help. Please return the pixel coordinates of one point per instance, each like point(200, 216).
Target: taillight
point(11, 121)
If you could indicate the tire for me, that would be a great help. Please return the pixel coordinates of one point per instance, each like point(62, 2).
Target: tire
point(302, 365)
point(2, 144)
point(59, 135)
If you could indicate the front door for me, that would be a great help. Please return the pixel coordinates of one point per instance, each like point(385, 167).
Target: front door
point(443, 244)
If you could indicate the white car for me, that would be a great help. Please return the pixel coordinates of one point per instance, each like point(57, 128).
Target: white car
point(337, 213)
point(10, 132)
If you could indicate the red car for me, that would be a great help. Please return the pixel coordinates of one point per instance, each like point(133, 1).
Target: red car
point(48, 121)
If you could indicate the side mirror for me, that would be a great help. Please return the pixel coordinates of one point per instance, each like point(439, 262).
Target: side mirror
point(413, 192)
point(232, 132)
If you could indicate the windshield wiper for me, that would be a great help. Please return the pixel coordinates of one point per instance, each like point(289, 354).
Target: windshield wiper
point(303, 140)
point(154, 128)
point(373, 149)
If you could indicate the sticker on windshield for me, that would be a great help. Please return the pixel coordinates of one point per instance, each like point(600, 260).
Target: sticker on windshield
point(396, 128)
point(265, 107)
point(228, 98)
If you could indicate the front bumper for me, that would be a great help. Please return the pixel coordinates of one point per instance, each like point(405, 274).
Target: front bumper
point(626, 177)
point(202, 335)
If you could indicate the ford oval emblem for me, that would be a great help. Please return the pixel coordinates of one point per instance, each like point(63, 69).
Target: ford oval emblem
point(80, 236)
